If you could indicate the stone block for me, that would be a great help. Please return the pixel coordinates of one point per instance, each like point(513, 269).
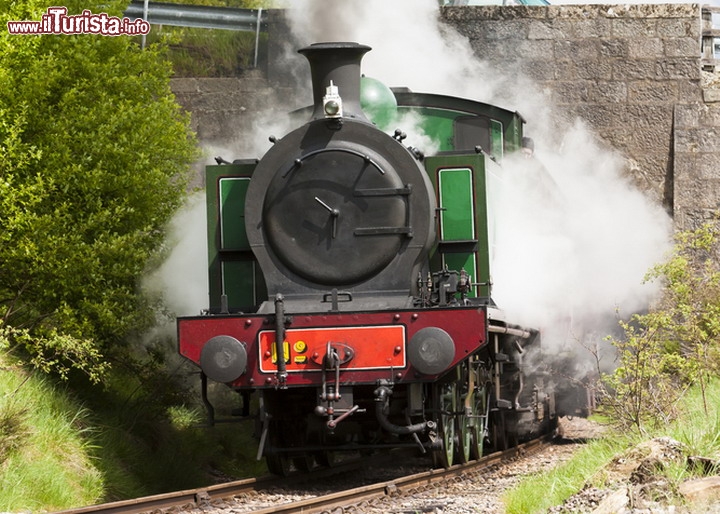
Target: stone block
point(540, 70)
point(551, 29)
point(677, 68)
point(632, 28)
point(650, 115)
point(687, 116)
point(577, 50)
point(649, 138)
point(478, 13)
point(534, 50)
point(696, 194)
point(679, 27)
point(589, 28)
point(682, 47)
point(507, 29)
point(652, 91)
point(645, 48)
point(599, 115)
point(710, 115)
point(614, 47)
point(689, 90)
point(571, 92)
point(711, 95)
point(608, 92)
point(708, 165)
point(634, 69)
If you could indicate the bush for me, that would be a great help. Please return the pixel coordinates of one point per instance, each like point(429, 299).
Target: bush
point(676, 345)
point(95, 157)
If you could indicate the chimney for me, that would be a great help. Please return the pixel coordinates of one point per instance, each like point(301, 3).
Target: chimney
point(338, 63)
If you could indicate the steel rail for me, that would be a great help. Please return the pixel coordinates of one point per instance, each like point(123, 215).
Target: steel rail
point(205, 496)
point(396, 486)
point(179, 499)
point(194, 497)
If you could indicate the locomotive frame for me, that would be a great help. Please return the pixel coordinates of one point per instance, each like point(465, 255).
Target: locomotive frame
point(347, 352)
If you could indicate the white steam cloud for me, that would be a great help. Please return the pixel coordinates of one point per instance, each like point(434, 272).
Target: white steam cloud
point(575, 238)
point(410, 47)
point(574, 241)
point(182, 280)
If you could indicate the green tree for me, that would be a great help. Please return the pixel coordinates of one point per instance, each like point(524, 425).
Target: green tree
point(94, 159)
point(675, 345)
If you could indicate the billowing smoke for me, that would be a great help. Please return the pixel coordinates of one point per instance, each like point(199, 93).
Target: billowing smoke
point(182, 280)
point(405, 36)
point(574, 242)
point(574, 237)
point(180, 284)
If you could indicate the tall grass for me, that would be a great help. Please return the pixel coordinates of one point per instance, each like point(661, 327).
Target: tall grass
point(44, 462)
point(698, 430)
point(539, 492)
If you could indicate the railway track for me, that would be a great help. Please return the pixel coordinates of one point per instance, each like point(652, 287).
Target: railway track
point(222, 495)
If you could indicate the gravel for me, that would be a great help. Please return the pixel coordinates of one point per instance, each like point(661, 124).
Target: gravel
point(633, 489)
point(483, 492)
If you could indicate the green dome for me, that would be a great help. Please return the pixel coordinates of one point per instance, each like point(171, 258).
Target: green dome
point(377, 101)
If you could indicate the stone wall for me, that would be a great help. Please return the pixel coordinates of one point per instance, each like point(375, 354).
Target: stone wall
point(631, 72)
point(696, 167)
point(222, 109)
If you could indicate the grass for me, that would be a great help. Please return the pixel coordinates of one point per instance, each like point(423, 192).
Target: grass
point(196, 52)
point(152, 437)
point(45, 461)
point(542, 491)
point(131, 437)
point(697, 430)
point(700, 430)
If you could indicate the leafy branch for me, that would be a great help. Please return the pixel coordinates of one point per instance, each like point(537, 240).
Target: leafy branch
point(675, 345)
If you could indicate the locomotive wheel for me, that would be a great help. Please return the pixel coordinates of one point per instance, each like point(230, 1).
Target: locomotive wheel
point(445, 403)
point(304, 462)
point(497, 424)
point(278, 464)
point(282, 436)
point(504, 426)
point(499, 436)
point(326, 458)
point(464, 419)
point(480, 414)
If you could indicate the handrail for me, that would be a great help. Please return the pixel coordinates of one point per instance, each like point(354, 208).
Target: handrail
point(202, 16)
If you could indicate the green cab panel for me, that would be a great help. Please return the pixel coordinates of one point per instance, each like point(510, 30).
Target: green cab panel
point(233, 271)
point(460, 182)
point(459, 124)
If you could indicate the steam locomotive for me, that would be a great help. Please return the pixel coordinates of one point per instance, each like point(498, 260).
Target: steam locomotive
point(350, 282)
